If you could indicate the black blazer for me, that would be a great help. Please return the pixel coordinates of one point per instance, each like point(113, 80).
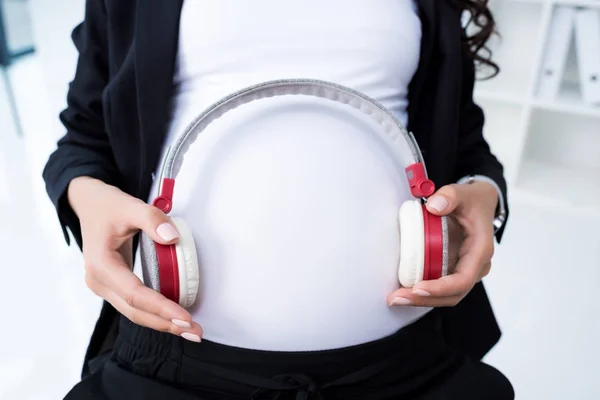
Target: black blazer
point(118, 111)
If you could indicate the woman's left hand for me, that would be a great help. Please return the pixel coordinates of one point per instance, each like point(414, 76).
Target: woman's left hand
point(473, 206)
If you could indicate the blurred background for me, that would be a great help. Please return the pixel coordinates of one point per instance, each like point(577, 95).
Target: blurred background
point(542, 121)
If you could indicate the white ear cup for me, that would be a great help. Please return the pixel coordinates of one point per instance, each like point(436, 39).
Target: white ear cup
point(187, 262)
point(412, 243)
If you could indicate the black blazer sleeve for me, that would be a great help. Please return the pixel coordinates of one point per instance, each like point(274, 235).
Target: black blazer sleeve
point(84, 150)
point(474, 155)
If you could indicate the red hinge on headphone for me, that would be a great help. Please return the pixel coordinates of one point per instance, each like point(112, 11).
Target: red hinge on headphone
point(164, 201)
point(420, 186)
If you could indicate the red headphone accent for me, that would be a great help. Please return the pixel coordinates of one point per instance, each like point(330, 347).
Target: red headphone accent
point(434, 245)
point(164, 201)
point(166, 254)
point(422, 187)
point(168, 271)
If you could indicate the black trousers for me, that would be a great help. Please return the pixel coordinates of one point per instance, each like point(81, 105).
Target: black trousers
point(415, 363)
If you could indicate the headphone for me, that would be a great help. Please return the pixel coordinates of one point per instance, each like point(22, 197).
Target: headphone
point(173, 270)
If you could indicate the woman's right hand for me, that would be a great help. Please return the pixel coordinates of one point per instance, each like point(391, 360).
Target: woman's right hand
point(109, 219)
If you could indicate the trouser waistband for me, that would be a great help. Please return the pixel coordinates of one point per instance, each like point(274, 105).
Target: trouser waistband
point(231, 371)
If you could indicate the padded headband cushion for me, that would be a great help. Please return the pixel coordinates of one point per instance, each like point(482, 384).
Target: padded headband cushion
point(392, 131)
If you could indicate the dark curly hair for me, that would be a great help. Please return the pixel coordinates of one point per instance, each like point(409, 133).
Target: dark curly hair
point(478, 30)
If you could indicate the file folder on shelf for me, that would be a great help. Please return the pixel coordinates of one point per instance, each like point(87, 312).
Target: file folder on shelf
point(587, 39)
point(556, 49)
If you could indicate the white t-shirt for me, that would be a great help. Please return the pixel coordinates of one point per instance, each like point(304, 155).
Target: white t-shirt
point(292, 201)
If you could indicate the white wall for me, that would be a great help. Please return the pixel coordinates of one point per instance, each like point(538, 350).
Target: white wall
point(44, 333)
point(41, 84)
point(52, 25)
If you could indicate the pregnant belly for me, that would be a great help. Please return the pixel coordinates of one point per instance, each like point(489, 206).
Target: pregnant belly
point(297, 234)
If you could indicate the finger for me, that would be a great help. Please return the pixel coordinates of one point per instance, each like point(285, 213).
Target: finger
point(465, 275)
point(114, 274)
point(445, 200)
point(141, 317)
point(485, 271)
point(156, 224)
point(406, 297)
point(476, 251)
point(456, 284)
point(126, 251)
point(191, 331)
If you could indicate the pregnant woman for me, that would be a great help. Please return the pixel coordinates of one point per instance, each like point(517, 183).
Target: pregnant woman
point(292, 203)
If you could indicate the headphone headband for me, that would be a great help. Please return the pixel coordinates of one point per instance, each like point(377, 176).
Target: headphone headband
point(401, 141)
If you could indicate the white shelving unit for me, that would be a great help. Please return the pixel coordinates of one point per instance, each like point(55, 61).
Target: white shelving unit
point(550, 149)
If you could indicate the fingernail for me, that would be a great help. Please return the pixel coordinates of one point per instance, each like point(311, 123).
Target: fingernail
point(400, 301)
point(438, 203)
point(181, 324)
point(167, 232)
point(191, 337)
point(421, 292)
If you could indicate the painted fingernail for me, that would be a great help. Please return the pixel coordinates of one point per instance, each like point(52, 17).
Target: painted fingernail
point(191, 337)
point(167, 232)
point(438, 203)
point(421, 292)
point(400, 301)
point(181, 324)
